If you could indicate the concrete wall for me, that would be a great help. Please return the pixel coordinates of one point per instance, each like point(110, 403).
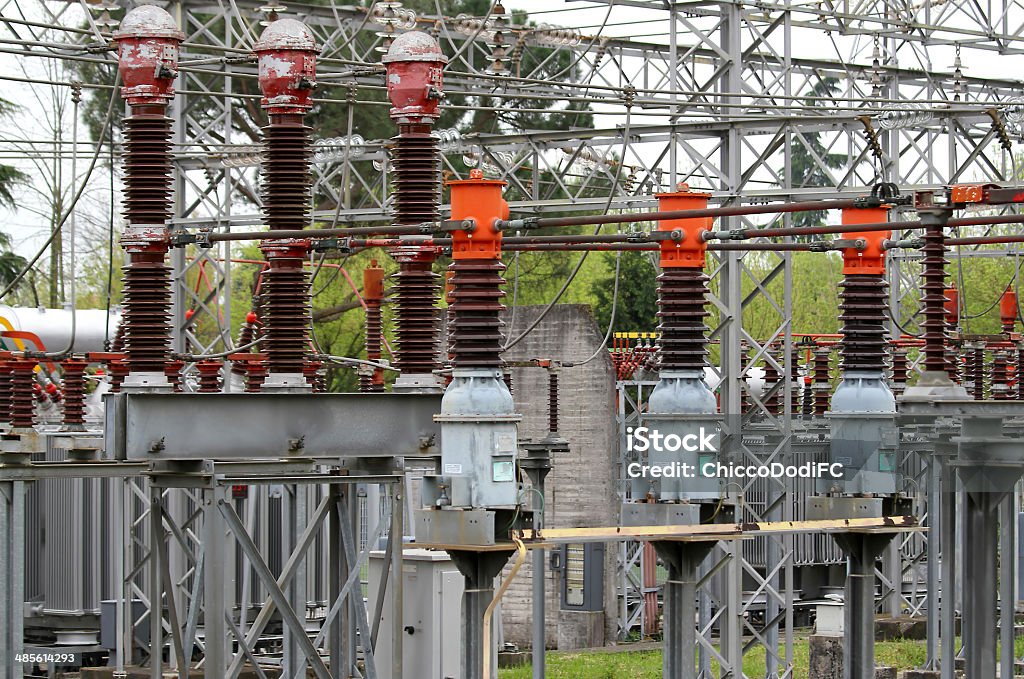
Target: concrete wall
point(580, 489)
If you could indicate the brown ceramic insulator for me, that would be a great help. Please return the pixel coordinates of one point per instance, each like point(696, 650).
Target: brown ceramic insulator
point(313, 371)
point(5, 390)
point(285, 185)
point(475, 329)
point(246, 334)
point(147, 168)
point(822, 385)
point(118, 370)
point(117, 345)
point(23, 397)
point(771, 378)
point(147, 313)
point(255, 374)
point(745, 390)
point(681, 303)
point(73, 387)
point(1018, 375)
point(1000, 376)
point(416, 290)
point(933, 299)
point(174, 375)
point(552, 401)
point(285, 316)
point(416, 190)
point(899, 371)
point(794, 378)
point(974, 371)
point(369, 380)
point(807, 403)
point(209, 376)
point(415, 175)
point(862, 310)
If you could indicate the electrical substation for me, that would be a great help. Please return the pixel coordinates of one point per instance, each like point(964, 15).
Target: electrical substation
point(761, 484)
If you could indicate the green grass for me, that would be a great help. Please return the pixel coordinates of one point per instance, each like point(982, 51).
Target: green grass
point(647, 664)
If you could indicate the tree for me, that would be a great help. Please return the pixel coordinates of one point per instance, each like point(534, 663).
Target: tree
point(808, 155)
point(11, 264)
point(637, 301)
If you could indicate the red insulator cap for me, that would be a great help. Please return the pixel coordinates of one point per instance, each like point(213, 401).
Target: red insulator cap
point(1008, 308)
point(373, 282)
point(414, 64)
point(147, 55)
point(952, 305)
point(250, 318)
point(479, 200)
point(287, 54)
point(870, 260)
point(689, 251)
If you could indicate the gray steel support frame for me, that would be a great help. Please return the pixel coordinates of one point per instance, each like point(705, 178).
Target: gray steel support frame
point(479, 569)
point(12, 577)
point(981, 578)
point(679, 643)
point(862, 549)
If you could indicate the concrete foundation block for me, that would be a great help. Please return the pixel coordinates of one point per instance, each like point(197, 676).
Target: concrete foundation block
point(888, 629)
point(921, 674)
point(580, 629)
point(826, 656)
point(885, 673)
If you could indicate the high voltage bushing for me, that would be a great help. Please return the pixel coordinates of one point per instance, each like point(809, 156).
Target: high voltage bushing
point(5, 388)
point(287, 54)
point(771, 378)
point(862, 314)
point(974, 370)
point(822, 386)
point(246, 334)
point(73, 387)
point(1001, 376)
point(794, 378)
point(209, 376)
point(552, 401)
point(933, 287)
point(147, 43)
point(372, 378)
point(681, 404)
point(1018, 376)
point(862, 409)
point(23, 397)
point(478, 424)
point(899, 371)
point(414, 65)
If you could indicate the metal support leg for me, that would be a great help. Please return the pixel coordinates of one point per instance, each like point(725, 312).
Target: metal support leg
point(981, 538)
point(156, 584)
point(215, 583)
point(1007, 553)
point(862, 550)
point(934, 541)
point(12, 577)
point(947, 601)
point(680, 633)
point(479, 569)
point(335, 633)
point(295, 519)
point(539, 642)
point(397, 536)
point(892, 566)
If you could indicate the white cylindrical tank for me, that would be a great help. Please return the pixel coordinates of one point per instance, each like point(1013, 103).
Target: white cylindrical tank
point(53, 326)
